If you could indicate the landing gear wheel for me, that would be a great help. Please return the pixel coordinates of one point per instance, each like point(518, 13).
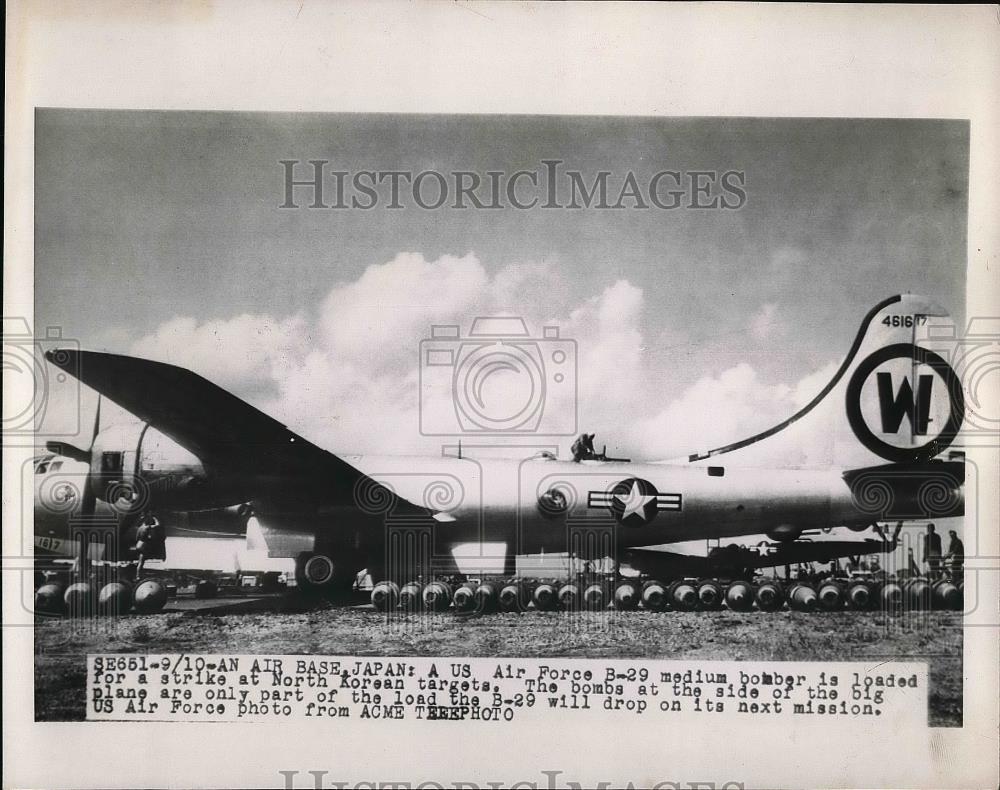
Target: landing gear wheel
point(314, 570)
point(318, 574)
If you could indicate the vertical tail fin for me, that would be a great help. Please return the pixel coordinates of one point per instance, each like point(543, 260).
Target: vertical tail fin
point(890, 399)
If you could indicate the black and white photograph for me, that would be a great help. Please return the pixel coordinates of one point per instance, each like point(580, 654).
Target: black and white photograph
point(672, 372)
point(491, 424)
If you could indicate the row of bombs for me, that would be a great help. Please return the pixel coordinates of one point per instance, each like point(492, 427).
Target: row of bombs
point(682, 595)
point(87, 598)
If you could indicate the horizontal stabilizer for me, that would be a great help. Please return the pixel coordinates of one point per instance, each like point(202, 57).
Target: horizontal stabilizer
point(734, 560)
point(918, 491)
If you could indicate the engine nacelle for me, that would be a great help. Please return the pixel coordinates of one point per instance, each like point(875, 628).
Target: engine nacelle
point(135, 466)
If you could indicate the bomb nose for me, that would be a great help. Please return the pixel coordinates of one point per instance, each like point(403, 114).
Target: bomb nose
point(437, 596)
point(892, 596)
point(409, 597)
point(860, 596)
point(830, 597)
point(385, 596)
point(486, 597)
point(545, 597)
point(803, 598)
point(465, 598)
point(626, 596)
point(709, 595)
point(510, 598)
point(685, 597)
point(593, 597)
point(947, 596)
point(739, 596)
point(569, 596)
point(654, 597)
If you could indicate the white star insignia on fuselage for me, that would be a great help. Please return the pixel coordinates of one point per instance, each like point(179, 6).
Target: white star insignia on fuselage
point(634, 501)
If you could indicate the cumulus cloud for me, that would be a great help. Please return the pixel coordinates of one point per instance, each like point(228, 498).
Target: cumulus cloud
point(375, 320)
point(348, 376)
point(246, 353)
point(811, 385)
point(716, 410)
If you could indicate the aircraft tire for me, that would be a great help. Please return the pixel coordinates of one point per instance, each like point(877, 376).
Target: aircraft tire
point(318, 573)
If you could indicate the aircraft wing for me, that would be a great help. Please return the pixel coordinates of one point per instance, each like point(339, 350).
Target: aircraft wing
point(227, 433)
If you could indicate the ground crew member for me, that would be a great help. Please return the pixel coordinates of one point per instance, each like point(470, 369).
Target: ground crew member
point(150, 539)
point(932, 552)
point(583, 447)
point(956, 555)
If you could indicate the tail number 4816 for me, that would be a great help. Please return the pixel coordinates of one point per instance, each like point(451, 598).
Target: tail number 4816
point(904, 320)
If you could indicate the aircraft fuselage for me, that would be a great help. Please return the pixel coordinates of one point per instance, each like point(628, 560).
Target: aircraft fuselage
point(538, 505)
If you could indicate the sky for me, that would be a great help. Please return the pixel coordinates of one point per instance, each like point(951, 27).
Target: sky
point(159, 234)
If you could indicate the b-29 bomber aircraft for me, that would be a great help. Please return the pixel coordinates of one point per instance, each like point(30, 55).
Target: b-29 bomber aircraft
point(194, 446)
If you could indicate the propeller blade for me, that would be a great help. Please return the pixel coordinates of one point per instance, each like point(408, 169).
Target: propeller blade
point(97, 423)
point(89, 503)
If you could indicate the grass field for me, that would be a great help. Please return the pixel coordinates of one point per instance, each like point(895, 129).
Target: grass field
point(936, 637)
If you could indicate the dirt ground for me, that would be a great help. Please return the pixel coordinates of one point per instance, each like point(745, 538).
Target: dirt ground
point(61, 646)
